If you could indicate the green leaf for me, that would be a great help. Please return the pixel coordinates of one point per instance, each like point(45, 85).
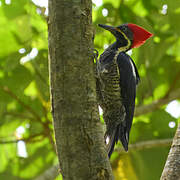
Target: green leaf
point(16, 8)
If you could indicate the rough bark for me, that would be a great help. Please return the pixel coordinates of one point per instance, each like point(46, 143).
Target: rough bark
point(172, 167)
point(78, 132)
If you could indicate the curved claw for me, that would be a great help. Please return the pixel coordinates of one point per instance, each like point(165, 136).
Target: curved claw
point(96, 54)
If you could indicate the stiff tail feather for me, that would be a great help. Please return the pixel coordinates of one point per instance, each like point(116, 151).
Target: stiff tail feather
point(119, 133)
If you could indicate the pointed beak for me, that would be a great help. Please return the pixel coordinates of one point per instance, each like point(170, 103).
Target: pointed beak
point(109, 28)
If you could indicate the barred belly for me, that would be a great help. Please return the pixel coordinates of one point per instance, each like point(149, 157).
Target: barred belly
point(113, 109)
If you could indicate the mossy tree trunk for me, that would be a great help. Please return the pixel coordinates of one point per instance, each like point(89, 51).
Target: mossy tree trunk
point(78, 132)
point(172, 167)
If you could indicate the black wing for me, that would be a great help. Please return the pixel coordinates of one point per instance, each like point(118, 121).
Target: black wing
point(136, 71)
point(129, 77)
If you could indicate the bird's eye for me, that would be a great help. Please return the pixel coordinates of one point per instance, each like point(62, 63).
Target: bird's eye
point(123, 28)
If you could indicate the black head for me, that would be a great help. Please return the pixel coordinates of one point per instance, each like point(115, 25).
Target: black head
point(122, 33)
point(128, 35)
point(125, 29)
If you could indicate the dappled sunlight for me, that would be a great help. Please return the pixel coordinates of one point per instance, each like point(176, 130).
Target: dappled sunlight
point(172, 124)
point(164, 9)
point(8, 2)
point(97, 2)
point(29, 56)
point(22, 50)
point(21, 146)
point(105, 12)
point(21, 149)
point(173, 108)
point(105, 46)
point(43, 4)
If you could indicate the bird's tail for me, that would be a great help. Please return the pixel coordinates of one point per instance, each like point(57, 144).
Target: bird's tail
point(119, 133)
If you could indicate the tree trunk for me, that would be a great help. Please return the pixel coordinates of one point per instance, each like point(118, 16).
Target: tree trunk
point(78, 132)
point(172, 167)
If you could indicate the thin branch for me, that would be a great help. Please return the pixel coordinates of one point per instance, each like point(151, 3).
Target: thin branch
point(49, 135)
point(146, 145)
point(28, 139)
point(27, 107)
point(19, 115)
point(11, 141)
point(158, 103)
point(45, 112)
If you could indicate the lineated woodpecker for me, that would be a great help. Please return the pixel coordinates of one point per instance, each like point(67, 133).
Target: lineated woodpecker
point(117, 77)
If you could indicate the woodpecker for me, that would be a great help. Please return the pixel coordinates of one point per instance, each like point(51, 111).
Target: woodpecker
point(117, 78)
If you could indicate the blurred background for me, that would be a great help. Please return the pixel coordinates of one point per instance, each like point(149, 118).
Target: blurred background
point(26, 132)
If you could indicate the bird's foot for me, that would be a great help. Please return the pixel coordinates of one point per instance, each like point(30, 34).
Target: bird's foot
point(95, 58)
point(95, 54)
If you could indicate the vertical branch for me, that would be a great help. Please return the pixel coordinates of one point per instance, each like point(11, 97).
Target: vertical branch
point(172, 167)
point(78, 132)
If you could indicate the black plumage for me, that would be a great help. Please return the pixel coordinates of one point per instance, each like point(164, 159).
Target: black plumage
point(116, 88)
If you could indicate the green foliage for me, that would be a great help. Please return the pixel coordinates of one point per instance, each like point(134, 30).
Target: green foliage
point(24, 84)
point(24, 92)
